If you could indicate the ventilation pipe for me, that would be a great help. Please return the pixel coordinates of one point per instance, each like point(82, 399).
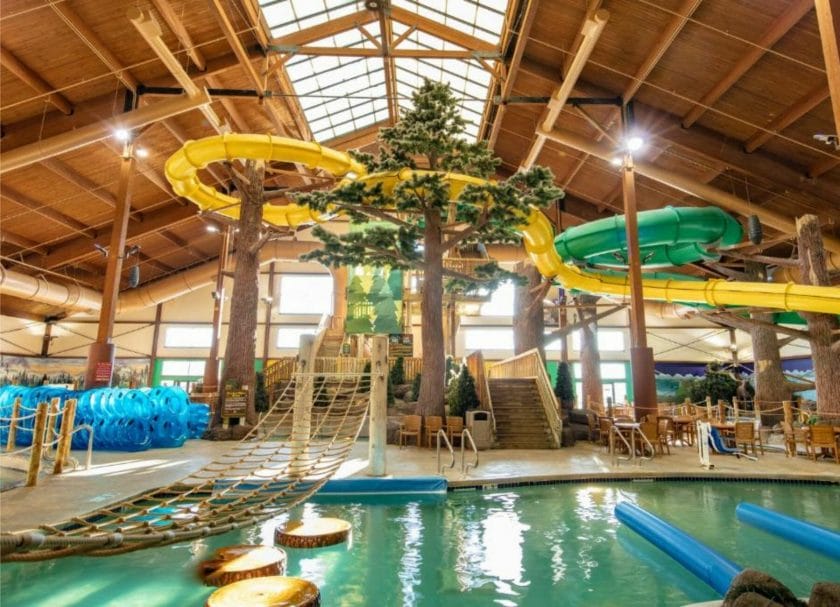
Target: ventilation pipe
point(77, 298)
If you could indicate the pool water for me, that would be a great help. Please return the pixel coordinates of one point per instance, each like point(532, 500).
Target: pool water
point(540, 545)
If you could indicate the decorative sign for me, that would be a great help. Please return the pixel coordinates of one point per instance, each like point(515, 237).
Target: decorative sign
point(103, 370)
point(401, 344)
point(236, 403)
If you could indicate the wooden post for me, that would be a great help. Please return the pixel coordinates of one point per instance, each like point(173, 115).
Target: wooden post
point(709, 408)
point(53, 414)
point(302, 408)
point(828, 20)
point(100, 362)
point(37, 445)
point(10, 443)
point(155, 342)
point(211, 368)
point(787, 407)
point(757, 410)
point(269, 304)
point(378, 405)
point(721, 410)
point(65, 435)
point(735, 407)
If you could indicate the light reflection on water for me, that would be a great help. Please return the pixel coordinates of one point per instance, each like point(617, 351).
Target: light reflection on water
point(547, 545)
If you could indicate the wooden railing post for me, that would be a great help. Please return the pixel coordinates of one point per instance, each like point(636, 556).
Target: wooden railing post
point(378, 405)
point(37, 445)
point(709, 408)
point(65, 435)
point(787, 408)
point(10, 443)
point(721, 410)
point(736, 407)
point(53, 414)
point(757, 410)
point(302, 408)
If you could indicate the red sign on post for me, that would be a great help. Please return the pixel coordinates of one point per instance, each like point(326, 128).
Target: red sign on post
point(103, 371)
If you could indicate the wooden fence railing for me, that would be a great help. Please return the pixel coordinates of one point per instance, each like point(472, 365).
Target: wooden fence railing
point(476, 367)
point(530, 365)
point(282, 369)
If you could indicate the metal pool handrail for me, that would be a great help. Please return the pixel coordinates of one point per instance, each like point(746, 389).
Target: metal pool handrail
point(465, 467)
point(442, 434)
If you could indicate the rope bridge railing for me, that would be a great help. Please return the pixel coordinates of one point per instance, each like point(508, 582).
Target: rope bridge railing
point(282, 461)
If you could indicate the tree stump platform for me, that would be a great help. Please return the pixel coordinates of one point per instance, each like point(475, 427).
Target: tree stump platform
point(315, 533)
point(273, 591)
point(242, 562)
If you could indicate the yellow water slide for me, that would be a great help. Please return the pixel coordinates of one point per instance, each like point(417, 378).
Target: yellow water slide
point(538, 233)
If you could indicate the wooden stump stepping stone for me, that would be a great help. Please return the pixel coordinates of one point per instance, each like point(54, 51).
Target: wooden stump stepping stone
point(272, 591)
point(314, 533)
point(242, 562)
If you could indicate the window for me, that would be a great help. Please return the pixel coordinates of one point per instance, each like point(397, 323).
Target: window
point(555, 345)
point(496, 338)
point(609, 340)
point(188, 337)
point(182, 368)
point(501, 301)
point(306, 294)
point(289, 337)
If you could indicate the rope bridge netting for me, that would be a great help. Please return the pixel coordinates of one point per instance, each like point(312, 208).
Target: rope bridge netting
point(282, 461)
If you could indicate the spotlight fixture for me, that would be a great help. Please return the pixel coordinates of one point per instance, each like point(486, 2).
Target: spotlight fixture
point(635, 143)
point(141, 153)
point(832, 140)
point(212, 228)
point(122, 134)
point(616, 161)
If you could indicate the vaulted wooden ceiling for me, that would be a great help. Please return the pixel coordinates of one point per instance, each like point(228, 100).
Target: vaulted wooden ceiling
point(729, 93)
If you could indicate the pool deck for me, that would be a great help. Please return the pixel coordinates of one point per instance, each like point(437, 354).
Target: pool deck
point(116, 476)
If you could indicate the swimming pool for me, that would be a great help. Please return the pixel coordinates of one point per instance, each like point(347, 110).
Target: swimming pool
point(538, 545)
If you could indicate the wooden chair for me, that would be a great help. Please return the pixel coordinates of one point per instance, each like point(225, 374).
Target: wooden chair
point(433, 424)
point(650, 431)
point(794, 436)
point(604, 426)
point(822, 437)
point(664, 431)
point(745, 434)
point(454, 428)
point(410, 427)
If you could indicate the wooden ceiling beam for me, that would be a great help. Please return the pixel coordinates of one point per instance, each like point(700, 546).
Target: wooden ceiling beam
point(330, 27)
point(778, 28)
point(357, 139)
point(386, 48)
point(22, 242)
point(663, 43)
point(236, 44)
point(590, 31)
point(48, 212)
point(173, 21)
point(444, 32)
point(34, 81)
point(154, 262)
point(76, 249)
point(71, 175)
point(512, 68)
point(357, 51)
point(182, 244)
point(823, 166)
point(591, 7)
point(828, 20)
point(802, 106)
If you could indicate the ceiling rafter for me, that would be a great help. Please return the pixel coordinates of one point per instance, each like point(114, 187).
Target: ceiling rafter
point(326, 29)
point(34, 80)
point(21, 241)
point(442, 31)
point(802, 106)
point(386, 49)
point(778, 28)
point(48, 212)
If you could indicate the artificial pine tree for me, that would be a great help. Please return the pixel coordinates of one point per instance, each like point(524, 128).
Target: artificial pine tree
point(398, 371)
point(467, 396)
point(418, 225)
point(564, 389)
point(415, 386)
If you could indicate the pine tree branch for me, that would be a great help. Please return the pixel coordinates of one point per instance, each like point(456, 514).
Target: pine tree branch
point(462, 276)
point(462, 236)
point(374, 212)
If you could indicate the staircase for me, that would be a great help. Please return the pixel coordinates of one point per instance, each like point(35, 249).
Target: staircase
point(520, 417)
point(331, 344)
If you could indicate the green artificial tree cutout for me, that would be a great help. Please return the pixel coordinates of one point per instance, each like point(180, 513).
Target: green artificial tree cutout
point(395, 283)
point(385, 321)
point(358, 319)
point(415, 386)
point(423, 224)
point(467, 398)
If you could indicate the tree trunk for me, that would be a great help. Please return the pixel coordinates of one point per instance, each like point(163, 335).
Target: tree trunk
point(432, 381)
point(771, 387)
point(590, 357)
point(528, 321)
point(822, 327)
point(240, 349)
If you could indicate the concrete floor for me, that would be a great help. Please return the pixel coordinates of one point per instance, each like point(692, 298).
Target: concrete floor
point(116, 476)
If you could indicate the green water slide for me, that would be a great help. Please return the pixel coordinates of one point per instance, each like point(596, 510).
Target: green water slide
point(667, 237)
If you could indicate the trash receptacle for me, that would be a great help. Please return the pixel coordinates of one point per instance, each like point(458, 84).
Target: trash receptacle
point(481, 429)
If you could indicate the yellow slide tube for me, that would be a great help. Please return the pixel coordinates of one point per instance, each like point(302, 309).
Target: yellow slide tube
point(537, 232)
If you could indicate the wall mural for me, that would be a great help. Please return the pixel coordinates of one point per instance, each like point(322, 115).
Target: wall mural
point(374, 301)
point(36, 371)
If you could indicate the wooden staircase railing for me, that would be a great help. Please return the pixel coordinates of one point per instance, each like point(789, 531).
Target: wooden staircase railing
point(530, 365)
point(475, 364)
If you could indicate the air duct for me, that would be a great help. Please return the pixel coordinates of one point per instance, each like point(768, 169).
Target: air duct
point(76, 298)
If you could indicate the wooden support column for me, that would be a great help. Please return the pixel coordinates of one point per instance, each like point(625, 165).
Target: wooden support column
point(378, 405)
point(641, 357)
point(45, 343)
point(828, 19)
point(211, 369)
point(822, 327)
point(339, 308)
point(100, 362)
point(302, 407)
point(155, 342)
point(733, 346)
point(269, 305)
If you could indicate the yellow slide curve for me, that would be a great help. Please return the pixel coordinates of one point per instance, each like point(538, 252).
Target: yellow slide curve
point(538, 233)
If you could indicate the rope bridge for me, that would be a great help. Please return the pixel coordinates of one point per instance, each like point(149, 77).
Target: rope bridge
point(282, 461)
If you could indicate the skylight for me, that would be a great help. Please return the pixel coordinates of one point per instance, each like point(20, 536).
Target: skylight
point(342, 94)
